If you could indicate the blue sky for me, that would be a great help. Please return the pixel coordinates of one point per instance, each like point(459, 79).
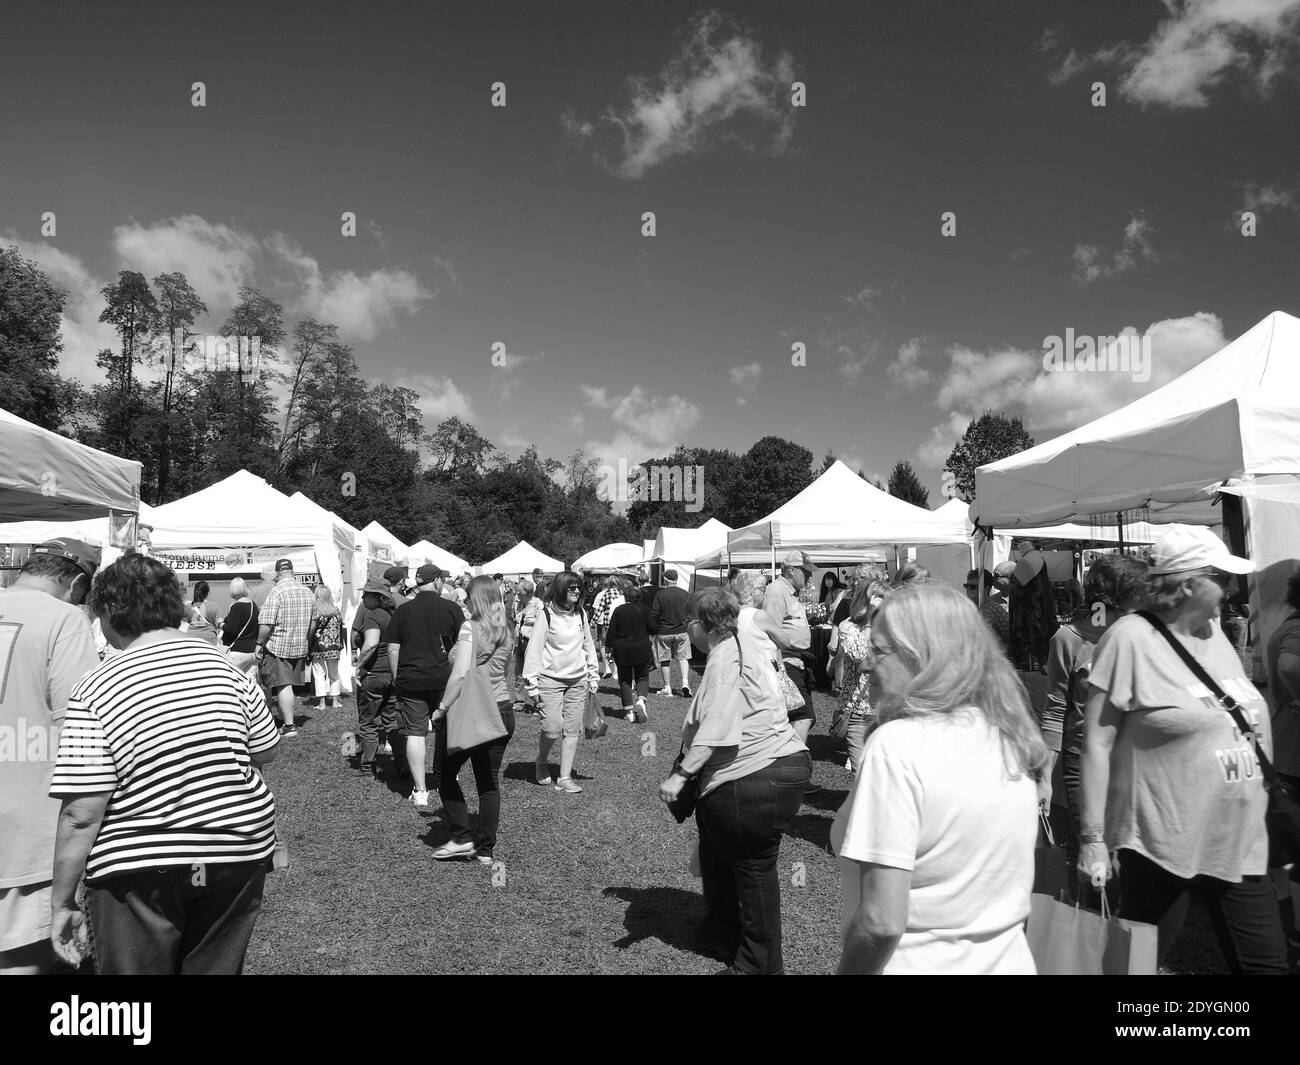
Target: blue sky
point(774, 224)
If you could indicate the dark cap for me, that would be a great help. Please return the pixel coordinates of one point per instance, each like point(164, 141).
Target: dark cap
point(428, 572)
point(394, 574)
point(83, 554)
point(283, 564)
point(374, 588)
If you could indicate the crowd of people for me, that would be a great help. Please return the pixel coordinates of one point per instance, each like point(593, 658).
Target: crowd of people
point(151, 815)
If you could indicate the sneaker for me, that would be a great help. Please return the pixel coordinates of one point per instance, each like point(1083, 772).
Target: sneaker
point(385, 748)
point(483, 858)
point(288, 730)
point(419, 798)
point(629, 714)
point(641, 714)
point(566, 785)
point(664, 691)
point(687, 693)
point(542, 772)
point(451, 850)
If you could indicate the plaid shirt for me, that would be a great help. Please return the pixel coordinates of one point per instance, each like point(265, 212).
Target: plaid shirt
point(606, 602)
point(289, 609)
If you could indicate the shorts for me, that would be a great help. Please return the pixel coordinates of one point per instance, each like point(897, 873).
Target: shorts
point(800, 677)
point(25, 915)
point(275, 673)
point(415, 709)
point(562, 704)
point(674, 647)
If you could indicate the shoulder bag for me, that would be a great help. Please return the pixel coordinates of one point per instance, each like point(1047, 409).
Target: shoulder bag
point(1282, 818)
point(474, 719)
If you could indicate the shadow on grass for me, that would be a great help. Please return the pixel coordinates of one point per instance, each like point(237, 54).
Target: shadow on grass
point(669, 915)
point(824, 748)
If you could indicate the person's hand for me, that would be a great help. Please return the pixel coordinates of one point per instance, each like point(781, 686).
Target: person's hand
point(259, 652)
point(593, 685)
point(1096, 864)
point(438, 715)
point(671, 788)
point(69, 935)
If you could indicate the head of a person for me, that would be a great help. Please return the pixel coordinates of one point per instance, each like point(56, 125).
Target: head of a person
point(527, 588)
point(867, 598)
point(498, 577)
point(712, 614)
point(485, 606)
point(64, 568)
point(796, 569)
point(1188, 573)
point(633, 594)
point(201, 592)
point(670, 576)
point(325, 600)
point(238, 589)
point(973, 580)
point(910, 573)
point(394, 576)
point(1116, 583)
point(428, 578)
point(565, 592)
point(831, 584)
point(1002, 575)
point(932, 654)
point(749, 588)
point(284, 570)
point(537, 576)
point(1293, 591)
point(135, 595)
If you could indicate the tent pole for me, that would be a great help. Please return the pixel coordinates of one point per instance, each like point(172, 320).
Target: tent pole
point(1119, 522)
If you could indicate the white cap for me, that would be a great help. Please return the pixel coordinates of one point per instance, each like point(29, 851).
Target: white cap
point(1183, 548)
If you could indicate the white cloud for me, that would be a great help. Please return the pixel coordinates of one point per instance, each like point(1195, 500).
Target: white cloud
point(1194, 51)
point(906, 370)
point(216, 259)
point(596, 397)
point(1094, 263)
point(439, 400)
point(1263, 199)
point(1014, 381)
point(745, 378)
point(645, 426)
point(718, 88)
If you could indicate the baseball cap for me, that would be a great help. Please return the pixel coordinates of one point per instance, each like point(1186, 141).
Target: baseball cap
point(1182, 548)
point(394, 574)
point(797, 558)
point(283, 564)
point(428, 572)
point(85, 555)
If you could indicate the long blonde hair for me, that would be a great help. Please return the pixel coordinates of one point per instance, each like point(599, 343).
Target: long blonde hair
point(487, 610)
point(939, 633)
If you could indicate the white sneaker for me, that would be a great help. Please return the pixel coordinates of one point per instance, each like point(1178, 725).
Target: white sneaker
point(641, 714)
point(385, 748)
point(419, 798)
point(629, 714)
point(567, 785)
point(664, 691)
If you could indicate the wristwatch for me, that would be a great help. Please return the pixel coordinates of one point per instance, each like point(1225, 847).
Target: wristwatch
point(682, 773)
point(1092, 839)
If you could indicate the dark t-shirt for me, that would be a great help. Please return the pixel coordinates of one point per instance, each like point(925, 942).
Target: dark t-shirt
point(377, 618)
point(842, 611)
point(629, 634)
point(426, 627)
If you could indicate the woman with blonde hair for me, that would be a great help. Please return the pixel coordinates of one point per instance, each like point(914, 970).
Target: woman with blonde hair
point(239, 630)
point(487, 630)
point(325, 644)
point(936, 840)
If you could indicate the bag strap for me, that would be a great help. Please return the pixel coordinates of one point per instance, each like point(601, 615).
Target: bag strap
point(247, 620)
point(1225, 700)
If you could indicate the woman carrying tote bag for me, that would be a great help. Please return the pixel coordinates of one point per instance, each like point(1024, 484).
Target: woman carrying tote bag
point(480, 721)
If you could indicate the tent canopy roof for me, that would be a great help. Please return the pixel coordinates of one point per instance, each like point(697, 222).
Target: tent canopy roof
point(611, 556)
point(686, 545)
point(242, 510)
point(522, 558)
point(47, 477)
point(423, 551)
point(1235, 414)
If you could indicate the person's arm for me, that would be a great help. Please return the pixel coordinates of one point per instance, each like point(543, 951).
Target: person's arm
point(78, 825)
point(1288, 675)
point(1060, 664)
point(268, 620)
point(768, 624)
point(462, 661)
point(880, 920)
point(589, 649)
point(369, 648)
point(655, 615)
point(1101, 725)
point(533, 658)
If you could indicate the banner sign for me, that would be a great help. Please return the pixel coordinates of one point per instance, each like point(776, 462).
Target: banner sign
point(240, 561)
point(121, 529)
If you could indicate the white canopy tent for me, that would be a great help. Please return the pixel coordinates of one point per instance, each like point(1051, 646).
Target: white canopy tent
point(678, 548)
point(835, 519)
point(96, 531)
point(1234, 415)
point(523, 558)
point(611, 556)
point(383, 549)
point(350, 543)
point(423, 551)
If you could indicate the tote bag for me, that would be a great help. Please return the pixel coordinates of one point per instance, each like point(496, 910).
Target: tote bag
point(474, 718)
point(1068, 940)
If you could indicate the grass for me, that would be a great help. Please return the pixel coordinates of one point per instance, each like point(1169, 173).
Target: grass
point(590, 883)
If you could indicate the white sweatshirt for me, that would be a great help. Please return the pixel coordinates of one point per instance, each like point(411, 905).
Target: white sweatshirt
point(560, 649)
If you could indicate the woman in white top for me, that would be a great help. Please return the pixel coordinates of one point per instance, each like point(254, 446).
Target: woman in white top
point(559, 669)
point(936, 840)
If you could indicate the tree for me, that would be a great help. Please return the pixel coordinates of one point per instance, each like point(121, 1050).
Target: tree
point(310, 341)
point(456, 447)
point(256, 323)
point(399, 414)
point(828, 460)
point(30, 342)
point(773, 471)
point(990, 437)
point(132, 310)
point(178, 306)
point(904, 484)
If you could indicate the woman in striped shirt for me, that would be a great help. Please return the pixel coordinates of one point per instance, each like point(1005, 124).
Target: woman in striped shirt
point(164, 807)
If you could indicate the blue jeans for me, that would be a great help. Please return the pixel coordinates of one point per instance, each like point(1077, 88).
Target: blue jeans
point(741, 824)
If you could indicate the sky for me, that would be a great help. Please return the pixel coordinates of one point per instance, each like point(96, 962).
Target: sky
point(944, 197)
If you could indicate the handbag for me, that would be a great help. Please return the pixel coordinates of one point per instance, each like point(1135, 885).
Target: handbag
point(474, 719)
point(594, 724)
point(790, 692)
point(1067, 940)
point(1051, 866)
point(1282, 818)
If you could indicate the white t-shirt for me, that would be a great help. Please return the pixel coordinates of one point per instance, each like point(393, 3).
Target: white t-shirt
point(933, 797)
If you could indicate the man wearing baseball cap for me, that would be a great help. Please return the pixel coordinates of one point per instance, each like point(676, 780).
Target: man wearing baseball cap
point(783, 603)
point(284, 625)
point(419, 637)
point(46, 647)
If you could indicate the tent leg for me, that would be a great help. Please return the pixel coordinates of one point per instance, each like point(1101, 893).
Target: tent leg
point(1119, 525)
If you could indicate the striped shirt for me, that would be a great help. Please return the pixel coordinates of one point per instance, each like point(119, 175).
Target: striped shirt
point(289, 609)
point(167, 729)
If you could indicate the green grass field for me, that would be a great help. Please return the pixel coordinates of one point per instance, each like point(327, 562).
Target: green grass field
point(590, 883)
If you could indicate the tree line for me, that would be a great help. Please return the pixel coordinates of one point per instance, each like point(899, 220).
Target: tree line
point(290, 404)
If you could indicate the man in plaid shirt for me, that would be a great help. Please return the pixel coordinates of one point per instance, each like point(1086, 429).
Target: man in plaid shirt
point(283, 626)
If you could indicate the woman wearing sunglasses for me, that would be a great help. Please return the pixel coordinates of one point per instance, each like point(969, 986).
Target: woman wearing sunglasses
point(1172, 794)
